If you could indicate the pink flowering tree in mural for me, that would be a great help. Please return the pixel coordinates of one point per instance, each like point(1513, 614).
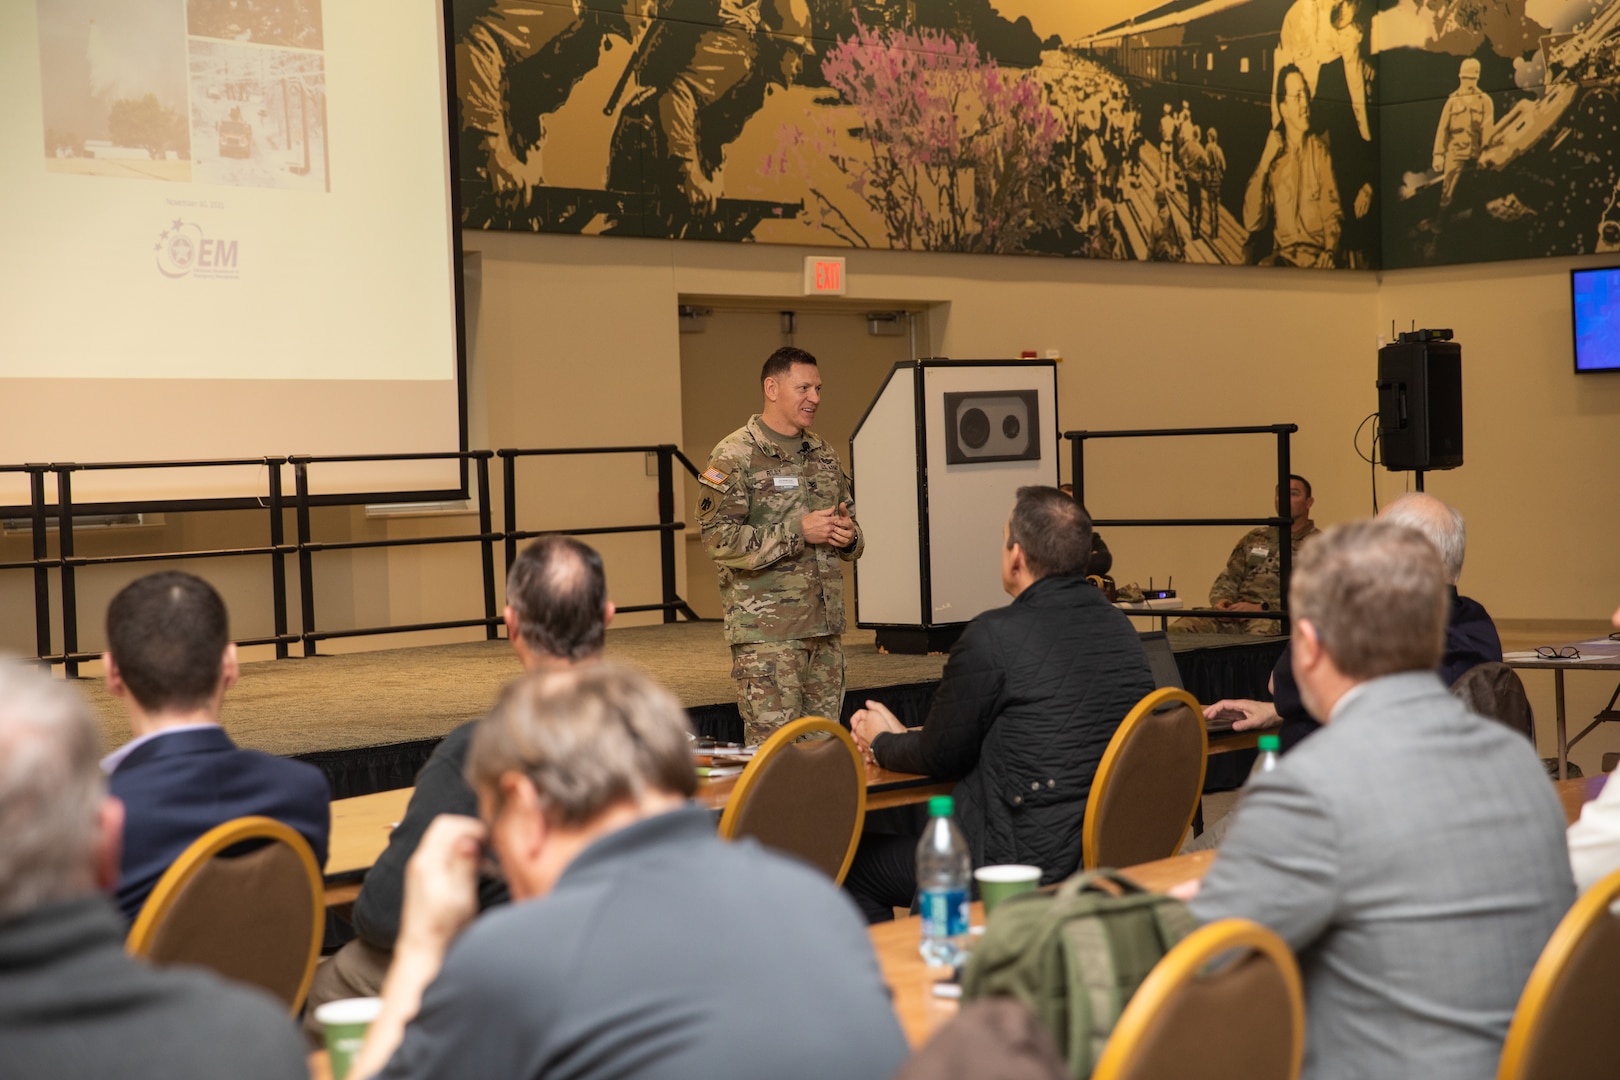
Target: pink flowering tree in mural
point(951, 152)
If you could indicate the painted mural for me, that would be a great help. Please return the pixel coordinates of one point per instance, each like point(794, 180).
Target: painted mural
point(1313, 133)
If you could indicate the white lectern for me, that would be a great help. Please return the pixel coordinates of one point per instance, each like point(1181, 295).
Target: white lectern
point(937, 460)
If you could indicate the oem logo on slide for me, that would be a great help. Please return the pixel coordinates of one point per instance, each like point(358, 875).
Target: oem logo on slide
point(183, 251)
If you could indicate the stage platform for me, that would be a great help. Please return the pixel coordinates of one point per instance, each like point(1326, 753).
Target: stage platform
point(370, 720)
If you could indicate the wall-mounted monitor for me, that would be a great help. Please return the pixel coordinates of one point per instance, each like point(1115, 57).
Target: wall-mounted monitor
point(1595, 301)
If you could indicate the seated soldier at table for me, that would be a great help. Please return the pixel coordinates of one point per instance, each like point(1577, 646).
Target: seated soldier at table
point(638, 943)
point(1251, 580)
point(557, 614)
point(73, 1003)
point(1471, 638)
point(1411, 853)
point(1029, 699)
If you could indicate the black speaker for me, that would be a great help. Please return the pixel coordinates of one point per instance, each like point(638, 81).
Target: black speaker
point(1420, 414)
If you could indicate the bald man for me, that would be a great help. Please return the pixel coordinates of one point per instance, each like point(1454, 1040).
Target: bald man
point(1471, 637)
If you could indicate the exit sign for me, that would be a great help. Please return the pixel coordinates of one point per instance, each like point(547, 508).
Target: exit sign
point(824, 276)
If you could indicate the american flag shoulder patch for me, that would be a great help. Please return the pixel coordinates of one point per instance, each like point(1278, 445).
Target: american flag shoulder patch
point(715, 478)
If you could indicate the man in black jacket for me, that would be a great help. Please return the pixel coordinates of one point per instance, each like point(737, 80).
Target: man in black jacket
point(1029, 699)
point(557, 613)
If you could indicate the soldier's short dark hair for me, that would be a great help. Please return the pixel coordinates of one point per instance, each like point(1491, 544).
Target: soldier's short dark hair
point(167, 633)
point(1304, 483)
point(1053, 529)
point(781, 362)
point(558, 591)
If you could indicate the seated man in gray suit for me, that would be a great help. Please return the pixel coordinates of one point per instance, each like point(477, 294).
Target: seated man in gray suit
point(1411, 853)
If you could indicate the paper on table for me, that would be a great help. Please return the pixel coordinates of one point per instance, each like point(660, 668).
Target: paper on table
point(1532, 655)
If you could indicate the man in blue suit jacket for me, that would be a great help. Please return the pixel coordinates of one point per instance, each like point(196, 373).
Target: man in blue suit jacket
point(170, 659)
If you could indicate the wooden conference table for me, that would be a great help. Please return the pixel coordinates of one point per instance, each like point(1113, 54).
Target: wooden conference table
point(895, 943)
point(1598, 654)
point(912, 982)
point(361, 825)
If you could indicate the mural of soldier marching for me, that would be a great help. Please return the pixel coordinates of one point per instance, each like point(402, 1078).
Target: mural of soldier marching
point(1312, 133)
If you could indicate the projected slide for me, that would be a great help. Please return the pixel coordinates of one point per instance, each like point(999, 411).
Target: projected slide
point(241, 207)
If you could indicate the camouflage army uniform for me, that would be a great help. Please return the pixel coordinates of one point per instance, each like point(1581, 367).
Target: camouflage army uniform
point(1252, 576)
point(784, 599)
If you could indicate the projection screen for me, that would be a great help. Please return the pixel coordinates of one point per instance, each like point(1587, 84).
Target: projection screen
point(231, 229)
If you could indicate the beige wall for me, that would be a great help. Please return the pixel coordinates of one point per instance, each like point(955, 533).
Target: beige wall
point(575, 342)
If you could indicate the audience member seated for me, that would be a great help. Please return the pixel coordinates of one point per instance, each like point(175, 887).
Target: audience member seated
point(557, 614)
point(1029, 699)
point(1471, 637)
point(638, 943)
point(72, 1002)
point(1252, 578)
point(1412, 852)
point(1594, 840)
point(170, 659)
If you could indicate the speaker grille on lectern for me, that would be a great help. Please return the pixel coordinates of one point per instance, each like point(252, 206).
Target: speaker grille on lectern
point(1420, 414)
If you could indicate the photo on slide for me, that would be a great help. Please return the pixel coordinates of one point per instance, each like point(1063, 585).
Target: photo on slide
point(113, 87)
point(264, 22)
point(258, 116)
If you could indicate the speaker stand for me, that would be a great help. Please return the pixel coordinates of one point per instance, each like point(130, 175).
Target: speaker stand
point(1419, 474)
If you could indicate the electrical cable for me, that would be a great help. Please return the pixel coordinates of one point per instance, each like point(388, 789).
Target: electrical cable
point(1371, 459)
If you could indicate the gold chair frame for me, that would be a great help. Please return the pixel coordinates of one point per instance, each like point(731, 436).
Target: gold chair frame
point(202, 851)
point(1180, 966)
point(778, 743)
point(1108, 768)
point(1524, 1033)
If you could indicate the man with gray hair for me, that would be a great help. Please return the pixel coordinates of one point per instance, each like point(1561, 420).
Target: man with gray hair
point(1471, 637)
point(557, 612)
point(72, 1002)
point(1412, 852)
point(602, 966)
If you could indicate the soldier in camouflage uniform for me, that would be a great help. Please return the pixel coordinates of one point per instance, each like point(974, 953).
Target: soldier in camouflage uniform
point(778, 516)
point(1251, 580)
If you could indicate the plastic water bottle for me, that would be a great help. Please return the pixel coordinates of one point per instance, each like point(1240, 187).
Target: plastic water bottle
point(1270, 745)
point(944, 869)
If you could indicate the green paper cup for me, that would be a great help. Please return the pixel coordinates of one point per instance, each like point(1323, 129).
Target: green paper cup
point(996, 883)
point(345, 1023)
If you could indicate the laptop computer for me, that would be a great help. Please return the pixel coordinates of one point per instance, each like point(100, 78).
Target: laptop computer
point(1162, 662)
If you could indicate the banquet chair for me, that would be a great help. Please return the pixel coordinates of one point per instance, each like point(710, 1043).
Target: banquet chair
point(805, 798)
point(1225, 1004)
point(1149, 782)
point(1564, 1025)
point(255, 914)
point(1495, 691)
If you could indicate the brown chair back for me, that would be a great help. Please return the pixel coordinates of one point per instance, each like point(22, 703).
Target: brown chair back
point(1202, 1015)
point(1149, 782)
point(256, 917)
point(1565, 1022)
point(1495, 690)
point(805, 798)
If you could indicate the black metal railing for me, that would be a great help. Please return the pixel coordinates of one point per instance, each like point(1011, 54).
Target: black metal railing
point(309, 547)
point(41, 509)
point(41, 564)
point(68, 562)
point(671, 605)
point(1283, 432)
